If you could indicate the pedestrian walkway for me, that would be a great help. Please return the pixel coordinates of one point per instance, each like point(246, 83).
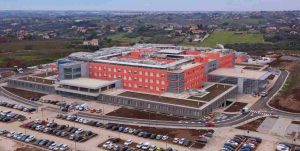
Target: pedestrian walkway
point(264, 113)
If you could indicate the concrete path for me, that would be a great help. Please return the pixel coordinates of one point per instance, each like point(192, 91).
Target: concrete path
point(280, 126)
point(267, 125)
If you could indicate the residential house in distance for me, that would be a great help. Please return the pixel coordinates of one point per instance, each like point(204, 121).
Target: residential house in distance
point(93, 42)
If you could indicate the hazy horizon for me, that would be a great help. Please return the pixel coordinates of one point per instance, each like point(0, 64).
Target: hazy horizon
point(151, 5)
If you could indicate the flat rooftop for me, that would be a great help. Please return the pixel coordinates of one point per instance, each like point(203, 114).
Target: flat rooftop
point(86, 83)
point(241, 73)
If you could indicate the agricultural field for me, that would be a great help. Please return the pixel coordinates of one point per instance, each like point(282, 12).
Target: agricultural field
point(34, 52)
point(123, 37)
point(231, 37)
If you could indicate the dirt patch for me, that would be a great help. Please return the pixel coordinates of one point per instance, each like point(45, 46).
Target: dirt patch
point(236, 107)
point(285, 104)
point(296, 93)
point(23, 93)
point(28, 148)
point(289, 97)
point(38, 80)
point(252, 68)
point(131, 113)
point(296, 122)
point(214, 91)
point(252, 126)
point(6, 74)
point(271, 77)
point(162, 99)
point(46, 74)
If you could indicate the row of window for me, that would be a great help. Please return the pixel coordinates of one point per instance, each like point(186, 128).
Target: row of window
point(128, 71)
point(146, 80)
point(145, 87)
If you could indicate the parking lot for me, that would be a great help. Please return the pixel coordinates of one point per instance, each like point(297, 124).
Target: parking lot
point(175, 136)
point(60, 130)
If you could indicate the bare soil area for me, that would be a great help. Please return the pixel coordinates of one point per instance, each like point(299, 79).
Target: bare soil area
point(132, 113)
point(252, 126)
point(46, 74)
point(23, 93)
point(39, 80)
point(289, 97)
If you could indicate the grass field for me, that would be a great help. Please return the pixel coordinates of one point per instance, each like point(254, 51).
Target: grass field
point(246, 21)
point(230, 37)
point(123, 37)
point(41, 51)
point(49, 45)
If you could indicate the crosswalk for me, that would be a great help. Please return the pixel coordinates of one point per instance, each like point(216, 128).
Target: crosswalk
point(260, 112)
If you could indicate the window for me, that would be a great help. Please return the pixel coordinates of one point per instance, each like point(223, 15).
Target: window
point(135, 85)
point(129, 71)
point(151, 87)
point(119, 70)
point(115, 70)
point(129, 78)
point(151, 80)
point(129, 85)
point(146, 73)
point(151, 74)
point(99, 68)
point(140, 73)
point(157, 74)
point(125, 71)
point(125, 78)
point(157, 81)
point(115, 76)
point(140, 79)
point(163, 82)
point(162, 75)
point(95, 74)
point(135, 72)
point(109, 69)
point(157, 88)
point(109, 75)
point(146, 80)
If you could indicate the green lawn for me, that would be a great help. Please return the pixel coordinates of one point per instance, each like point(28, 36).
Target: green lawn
point(230, 37)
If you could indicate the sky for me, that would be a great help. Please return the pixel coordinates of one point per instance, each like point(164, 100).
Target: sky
point(152, 5)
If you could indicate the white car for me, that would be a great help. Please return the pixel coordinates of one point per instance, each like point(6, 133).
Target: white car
point(152, 148)
point(29, 139)
point(11, 134)
point(128, 142)
point(106, 144)
point(176, 140)
point(64, 147)
point(146, 146)
point(165, 137)
point(181, 141)
point(282, 147)
point(139, 145)
point(52, 146)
